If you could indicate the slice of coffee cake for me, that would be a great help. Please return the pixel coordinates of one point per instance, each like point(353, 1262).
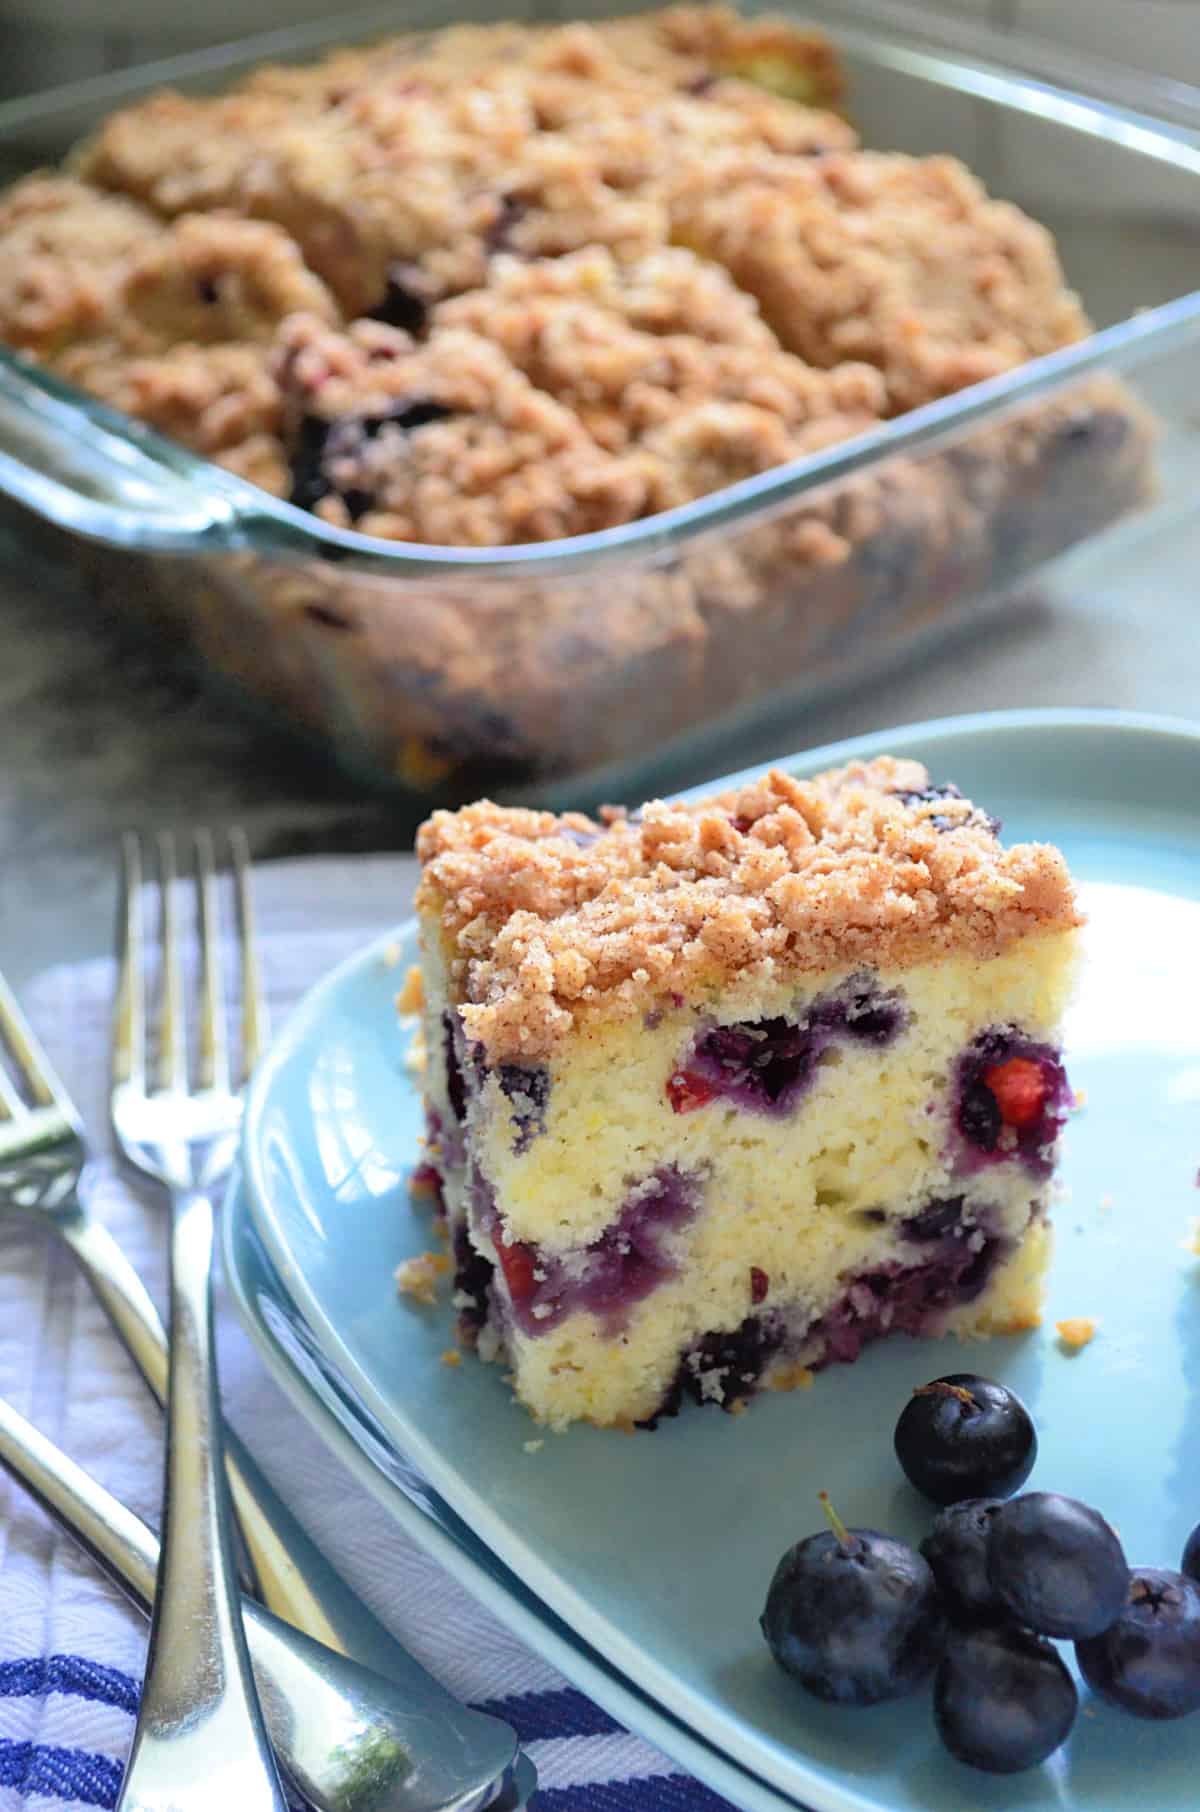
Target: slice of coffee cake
point(718, 1092)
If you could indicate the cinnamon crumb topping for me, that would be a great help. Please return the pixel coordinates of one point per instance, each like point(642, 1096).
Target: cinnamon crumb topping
point(546, 919)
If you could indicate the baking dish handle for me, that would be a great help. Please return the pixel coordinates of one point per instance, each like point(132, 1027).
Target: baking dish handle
point(82, 467)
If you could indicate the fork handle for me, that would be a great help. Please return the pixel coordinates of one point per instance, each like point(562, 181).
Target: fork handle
point(291, 1577)
point(198, 1697)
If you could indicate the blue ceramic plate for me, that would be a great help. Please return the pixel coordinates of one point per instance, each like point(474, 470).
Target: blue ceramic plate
point(348, 1428)
point(657, 1550)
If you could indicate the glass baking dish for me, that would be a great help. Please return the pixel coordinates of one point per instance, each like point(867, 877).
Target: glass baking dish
point(601, 666)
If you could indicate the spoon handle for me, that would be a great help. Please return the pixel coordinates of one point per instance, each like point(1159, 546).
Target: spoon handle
point(118, 1541)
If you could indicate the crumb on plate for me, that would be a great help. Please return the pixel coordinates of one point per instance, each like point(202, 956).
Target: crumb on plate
point(451, 1356)
point(792, 1377)
point(411, 997)
point(1080, 1097)
point(418, 1277)
point(1192, 1242)
point(534, 1446)
point(1076, 1332)
point(391, 954)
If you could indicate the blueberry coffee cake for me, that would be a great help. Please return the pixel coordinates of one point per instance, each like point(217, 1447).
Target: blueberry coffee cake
point(719, 1092)
point(503, 284)
point(494, 286)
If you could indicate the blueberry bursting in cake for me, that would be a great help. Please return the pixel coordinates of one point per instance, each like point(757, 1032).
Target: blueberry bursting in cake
point(720, 1092)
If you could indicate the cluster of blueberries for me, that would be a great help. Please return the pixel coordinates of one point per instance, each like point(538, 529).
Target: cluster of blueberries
point(858, 1617)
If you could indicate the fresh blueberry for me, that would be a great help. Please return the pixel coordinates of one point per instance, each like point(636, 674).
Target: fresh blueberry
point(956, 1549)
point(855, 1616)
point(1002, 1698)
point(1057, 1565)
point(1191, 1555)
point(1148, 1661)
point(964, 1436)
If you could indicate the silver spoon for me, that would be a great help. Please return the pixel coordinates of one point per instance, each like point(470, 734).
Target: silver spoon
point(349, 1740)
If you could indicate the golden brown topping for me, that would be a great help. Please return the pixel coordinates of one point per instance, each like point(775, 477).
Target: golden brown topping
point(903, 262)
point(212, 278)
point(631, 263)
point(547, 918)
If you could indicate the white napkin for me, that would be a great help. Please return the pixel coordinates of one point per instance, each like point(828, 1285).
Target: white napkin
point(71, 1650)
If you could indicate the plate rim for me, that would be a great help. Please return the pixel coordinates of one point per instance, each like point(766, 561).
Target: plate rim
point(652, 1676)
point(634, 1709)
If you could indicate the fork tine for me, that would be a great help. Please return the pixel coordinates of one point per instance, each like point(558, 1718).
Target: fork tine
point(213, 1066)
point(172, 1054)
point(31, 1059)
point(256, 1029)
point(129, 1022)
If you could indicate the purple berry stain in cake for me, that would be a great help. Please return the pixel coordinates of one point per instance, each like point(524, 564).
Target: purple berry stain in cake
point(960, 1256)
point(1012, 1097)
point(456, 1082)
point(766, 1065)
point(723, 1367)
point(939, 1220)
point(907, 1299)
point(528, 1090)
point(450, 1134)
point(473, 1274)
point(629, 1260)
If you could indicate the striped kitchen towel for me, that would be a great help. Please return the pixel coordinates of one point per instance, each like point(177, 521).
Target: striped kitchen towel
point(71, 1650)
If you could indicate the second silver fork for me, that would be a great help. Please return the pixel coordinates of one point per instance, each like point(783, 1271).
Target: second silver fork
point(200, 1730)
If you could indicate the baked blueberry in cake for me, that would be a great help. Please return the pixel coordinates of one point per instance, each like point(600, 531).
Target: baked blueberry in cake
point(719, 1092)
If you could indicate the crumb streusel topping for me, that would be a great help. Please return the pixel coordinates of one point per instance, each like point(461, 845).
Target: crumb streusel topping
point(503, 284)
point(547, 919)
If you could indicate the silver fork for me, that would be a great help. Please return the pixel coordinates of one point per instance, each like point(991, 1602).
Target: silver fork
point(200, 1731)
point(44, 1165)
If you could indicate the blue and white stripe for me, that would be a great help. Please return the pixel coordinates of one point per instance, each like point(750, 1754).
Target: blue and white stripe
point(586, 1762)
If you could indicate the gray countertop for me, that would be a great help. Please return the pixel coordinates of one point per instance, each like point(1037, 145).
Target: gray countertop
point(100, 731)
